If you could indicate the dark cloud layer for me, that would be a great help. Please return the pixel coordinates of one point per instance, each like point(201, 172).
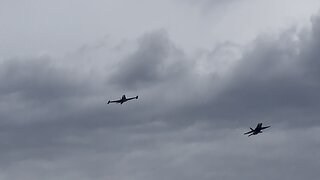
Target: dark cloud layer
point(276, 80)
point(156, 59)
point(187, 123)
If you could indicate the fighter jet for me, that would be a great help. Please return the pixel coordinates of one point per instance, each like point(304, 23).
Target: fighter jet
point(257, 130)
point(122, 100)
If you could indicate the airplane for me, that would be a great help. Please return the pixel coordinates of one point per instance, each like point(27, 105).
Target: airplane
point(257, 130)
point(122, 100)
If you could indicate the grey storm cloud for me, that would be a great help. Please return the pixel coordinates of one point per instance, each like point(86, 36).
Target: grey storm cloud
point(37, 79)
point(275, 81)
point(156, 59)
point(187, 124)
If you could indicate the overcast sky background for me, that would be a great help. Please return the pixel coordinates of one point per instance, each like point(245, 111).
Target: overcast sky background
point(204, 70)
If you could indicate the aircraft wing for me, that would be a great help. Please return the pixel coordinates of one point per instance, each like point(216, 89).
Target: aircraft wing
point(115, 101)
point(248, 132)
point(265, 127)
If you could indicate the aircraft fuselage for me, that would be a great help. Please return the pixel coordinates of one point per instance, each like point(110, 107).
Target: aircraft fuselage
point(122, 100)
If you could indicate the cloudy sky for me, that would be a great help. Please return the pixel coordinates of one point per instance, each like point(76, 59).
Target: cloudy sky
point(204, 70)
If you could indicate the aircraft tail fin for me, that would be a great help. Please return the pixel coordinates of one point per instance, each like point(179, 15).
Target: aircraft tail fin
point(136, 97)
point(108, 102)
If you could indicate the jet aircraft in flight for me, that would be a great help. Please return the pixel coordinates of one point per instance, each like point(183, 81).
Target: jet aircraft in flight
point(123, 99)
point(257, 130)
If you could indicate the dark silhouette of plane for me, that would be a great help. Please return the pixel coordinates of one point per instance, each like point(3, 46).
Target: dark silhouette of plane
point(122, 100)
point(257, 130)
